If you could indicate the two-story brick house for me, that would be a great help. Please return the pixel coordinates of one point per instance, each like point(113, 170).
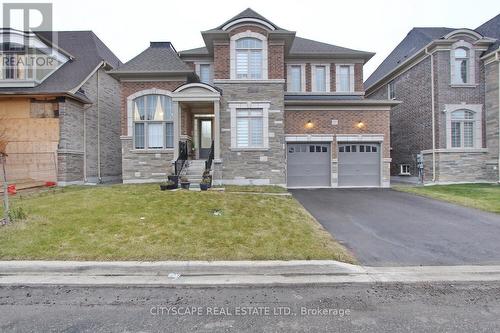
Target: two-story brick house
point(447, 80)
point(273, 108)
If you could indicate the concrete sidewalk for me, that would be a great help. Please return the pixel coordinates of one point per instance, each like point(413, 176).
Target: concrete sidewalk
point(228, 273)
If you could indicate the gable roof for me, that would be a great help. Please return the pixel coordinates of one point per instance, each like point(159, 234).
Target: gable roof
point(248, 13)
point(159, 57)
point(491, 29)
point(416, 39)
point(301, 47)
point(87, 52)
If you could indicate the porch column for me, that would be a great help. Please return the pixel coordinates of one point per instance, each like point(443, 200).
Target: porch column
point(216, 131)
point(177, 125)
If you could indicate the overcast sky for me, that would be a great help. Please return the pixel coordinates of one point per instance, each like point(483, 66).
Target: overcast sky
point(374, 25)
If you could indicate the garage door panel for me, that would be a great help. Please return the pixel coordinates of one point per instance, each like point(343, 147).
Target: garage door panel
point(308, 164)
point(359, 164)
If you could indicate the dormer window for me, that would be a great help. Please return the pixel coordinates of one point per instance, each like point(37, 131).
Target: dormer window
point(461, 65)
point(249, 58)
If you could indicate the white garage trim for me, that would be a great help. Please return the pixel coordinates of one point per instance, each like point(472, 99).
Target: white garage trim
point(308, 138)
point(360, 138)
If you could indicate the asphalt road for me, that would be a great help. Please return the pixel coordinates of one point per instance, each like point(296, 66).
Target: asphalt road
point(349, 308)
point(384, 227)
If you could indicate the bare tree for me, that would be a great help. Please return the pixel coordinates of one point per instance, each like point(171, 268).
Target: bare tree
point(3, 160)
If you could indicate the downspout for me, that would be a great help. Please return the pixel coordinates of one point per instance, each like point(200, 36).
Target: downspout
point(85, 142)
point(498, 83)
point(99, 179)
point(433, 112)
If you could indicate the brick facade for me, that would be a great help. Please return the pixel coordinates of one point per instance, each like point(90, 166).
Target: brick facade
point(376, 122)
point(221, 60)
point(411, 121)
point(276, 60)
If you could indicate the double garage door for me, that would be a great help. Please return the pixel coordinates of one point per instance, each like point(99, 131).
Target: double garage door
point(308, 164)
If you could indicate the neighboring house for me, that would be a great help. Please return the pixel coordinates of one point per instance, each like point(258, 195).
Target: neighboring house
point(273, 108)
point(59, 109)
point(447, 80)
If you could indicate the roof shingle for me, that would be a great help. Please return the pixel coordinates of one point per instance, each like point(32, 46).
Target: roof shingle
point(158, 57)
point(416, 39)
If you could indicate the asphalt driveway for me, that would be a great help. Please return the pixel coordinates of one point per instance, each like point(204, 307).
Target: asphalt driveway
point(383, 227)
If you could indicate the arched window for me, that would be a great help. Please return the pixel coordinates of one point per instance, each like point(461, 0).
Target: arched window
point(461, 65)
point(249, 58)
point(153, 122)
point(462, 129)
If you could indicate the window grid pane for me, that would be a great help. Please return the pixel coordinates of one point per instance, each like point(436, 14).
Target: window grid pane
point(295, 78)
point(320, 78)
point(169, 135)
point(456, 136)
point(205, 73)
point(139, 135)
point(468, 134)
point(155, 135)
point(345, 78)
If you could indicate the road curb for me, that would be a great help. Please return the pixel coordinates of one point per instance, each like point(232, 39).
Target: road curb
point(223, 273)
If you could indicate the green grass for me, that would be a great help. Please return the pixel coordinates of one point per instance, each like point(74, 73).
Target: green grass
point(140, 222)
point(255, 189)
point(481, 196)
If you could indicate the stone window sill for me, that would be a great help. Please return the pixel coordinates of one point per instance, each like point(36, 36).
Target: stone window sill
point(152, 151)
point(456, 85)
point(250, 149)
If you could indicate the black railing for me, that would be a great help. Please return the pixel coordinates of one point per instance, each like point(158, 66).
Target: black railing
point(183, 156)
point(208, 162)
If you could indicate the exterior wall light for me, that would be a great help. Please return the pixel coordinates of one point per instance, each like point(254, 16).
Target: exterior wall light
point(360, 125)
point(309, 124)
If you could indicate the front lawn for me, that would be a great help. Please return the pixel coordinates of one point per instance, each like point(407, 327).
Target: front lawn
point(139, 222)
point(480, 196)
point(254, 188)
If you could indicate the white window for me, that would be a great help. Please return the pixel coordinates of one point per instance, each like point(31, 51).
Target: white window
point(320, 78)
point(205, 73)
point(391, 93)
point(462, 129)
point(153, 122)
point(404, 169)
point(249, 128)
point(345, 78)
point(461, 65)
point(249, 58)
point(295, 78)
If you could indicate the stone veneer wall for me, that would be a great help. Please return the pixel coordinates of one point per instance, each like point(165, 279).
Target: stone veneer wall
point(142, 166)
point(252, 167)
point(462, 167)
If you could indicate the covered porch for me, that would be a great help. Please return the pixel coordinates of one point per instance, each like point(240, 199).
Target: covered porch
point(196, 111)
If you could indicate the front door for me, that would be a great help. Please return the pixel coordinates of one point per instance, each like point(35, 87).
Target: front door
point(205, 137)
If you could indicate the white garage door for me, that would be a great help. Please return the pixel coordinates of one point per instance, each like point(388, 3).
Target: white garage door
point(308, 164)
point(359, 164)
